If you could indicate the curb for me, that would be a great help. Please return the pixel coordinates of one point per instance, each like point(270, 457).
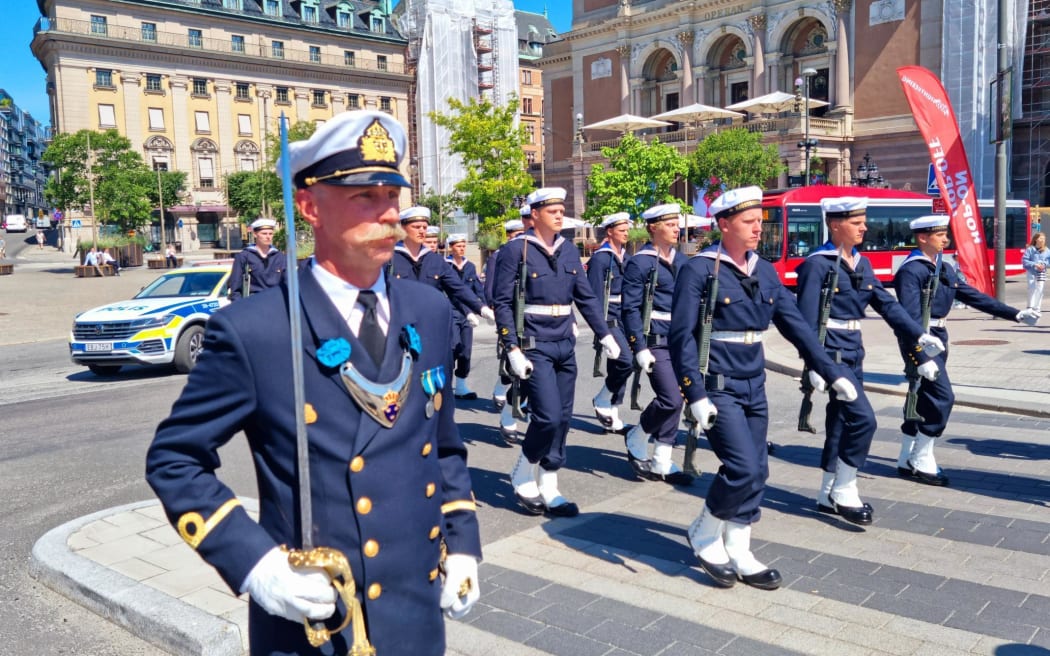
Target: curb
point(170, 624)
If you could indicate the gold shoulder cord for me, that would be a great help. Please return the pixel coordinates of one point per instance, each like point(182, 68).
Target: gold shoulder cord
point(335, 564)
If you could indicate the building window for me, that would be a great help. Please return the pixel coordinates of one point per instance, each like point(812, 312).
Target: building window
point(200, 86)
point(530, 156)
point(149, 32)
point(160, 165)
point(237, 43)
point(244, 124)
point(277, 49)
point(241, 91)
point(247, 164)
point(386, 104)
point(381, 62)
point(273, 8)
point(202, 122)
point(309, 14)
point(318, 98)
point(315, 54)
point(353, 101)
point(103, 77)
point(153, 83)
point(349, 58)
point(233, 4)
point(196, 39)
point(526, 105)
point(530, 132)
point(526, 77)
point(377, 25)
point(107, 118)
point(156, 118)
point(342, 18)
point(207, 172)
point(282, 94)
point(98, 25)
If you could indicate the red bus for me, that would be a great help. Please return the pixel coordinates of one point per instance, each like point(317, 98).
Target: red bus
point(793, 225)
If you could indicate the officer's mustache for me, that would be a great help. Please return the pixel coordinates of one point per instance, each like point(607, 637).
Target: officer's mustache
point(383, 231)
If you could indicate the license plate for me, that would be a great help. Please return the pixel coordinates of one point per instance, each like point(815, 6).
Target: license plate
point(98, 347)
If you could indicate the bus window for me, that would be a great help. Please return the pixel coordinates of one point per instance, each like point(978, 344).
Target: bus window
point(771, 243)
point(1016, 223)
point(889, 227)
point(805, 226)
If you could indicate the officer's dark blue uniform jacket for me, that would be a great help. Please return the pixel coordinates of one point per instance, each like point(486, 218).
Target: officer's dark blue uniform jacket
point(553, 279)
point(384, 497)
point(468, 275)
point(431, 269)
point(743, 303)
point(911, 277)
point(266, 272)
point(635, 275)
point(603, 260)
point(857, 289)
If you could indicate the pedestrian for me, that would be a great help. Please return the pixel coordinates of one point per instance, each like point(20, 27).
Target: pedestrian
point(170, 260)
point(839, 271)
point(543, 357)
point(258, 266)
point(605, 271)
point(40, 238)
point(387, 467)
point(727, 396)
point(1035, 260)
point(468, 275)
point(91, 259)
point(104, 258)
point(648, 291)
point(3, 248)
point(508, 423)
point(935, 398)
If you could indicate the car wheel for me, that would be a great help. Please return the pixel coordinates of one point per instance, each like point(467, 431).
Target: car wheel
point(104, 369)
point(188, 348)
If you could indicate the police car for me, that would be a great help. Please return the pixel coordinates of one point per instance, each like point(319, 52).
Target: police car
point(162, 325)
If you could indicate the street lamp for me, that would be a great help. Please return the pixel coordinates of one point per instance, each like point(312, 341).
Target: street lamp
point(577, 183)
point(807, 143)
point(868, 173)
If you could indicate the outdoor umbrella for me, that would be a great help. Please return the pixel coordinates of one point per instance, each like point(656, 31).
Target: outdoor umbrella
point(695, 113)
point(626, 123)
point(773, 103)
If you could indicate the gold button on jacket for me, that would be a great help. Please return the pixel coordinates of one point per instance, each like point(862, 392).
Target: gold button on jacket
point(357, 464)
point(431, 488)
point(374, 591)
point(371, 548)
point(364, 505)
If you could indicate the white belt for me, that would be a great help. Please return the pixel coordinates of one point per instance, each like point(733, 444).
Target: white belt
point(939, 323)
point(660, 316)
point(615, 299)
point(549, 310)
point(741, 337)
point(843, 324)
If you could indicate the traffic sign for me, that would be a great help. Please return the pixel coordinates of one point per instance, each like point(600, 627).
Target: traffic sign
point(75, 223)
point(931, 183)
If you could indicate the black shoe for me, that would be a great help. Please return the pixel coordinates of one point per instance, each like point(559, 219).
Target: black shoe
point(499, 403)
point(604, 420)
point(642, 468)
point(767, 579)
point(861, 516)
point(510, 436)
point(937, 480)
point(824, 508)
point(674, 478)
point(724, 575)
point(567, 509)
point(469, 396)
point(531, 505)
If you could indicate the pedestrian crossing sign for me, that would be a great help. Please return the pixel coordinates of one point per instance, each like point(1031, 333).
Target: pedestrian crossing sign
point(931, 183)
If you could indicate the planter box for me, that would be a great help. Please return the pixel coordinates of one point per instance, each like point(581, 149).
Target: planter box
point(81, 271)
point(6, 269)
point(162, 263)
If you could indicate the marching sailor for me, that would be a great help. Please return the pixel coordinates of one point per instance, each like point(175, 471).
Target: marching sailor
point(432, 239)
point(729, 401)
point(648, 288)
point(925, 270)
point(605, 273)
point(850, 426)
point(468, 274)
point(537, 328)
point(508, 424)
point(260, 263)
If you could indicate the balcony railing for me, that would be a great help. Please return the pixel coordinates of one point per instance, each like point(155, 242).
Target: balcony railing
point(261, 48)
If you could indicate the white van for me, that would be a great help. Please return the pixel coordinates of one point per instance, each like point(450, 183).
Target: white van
point(15, 223)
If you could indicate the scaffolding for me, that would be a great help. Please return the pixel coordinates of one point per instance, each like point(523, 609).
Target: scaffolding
point(1032, 130)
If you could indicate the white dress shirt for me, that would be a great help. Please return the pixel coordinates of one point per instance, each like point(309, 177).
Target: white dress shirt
point(344, 296)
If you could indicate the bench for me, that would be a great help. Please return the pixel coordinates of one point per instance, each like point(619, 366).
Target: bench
point(6, 269)
point(88, 271)
point(162, 263)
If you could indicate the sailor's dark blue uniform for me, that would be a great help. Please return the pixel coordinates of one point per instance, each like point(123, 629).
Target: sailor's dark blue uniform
point(747, 302)
point(265, 272)
point(555, 281)
point(849, 427)
point(468, 275)
point(603, 261)
point(431, 269)
point(660, 418)
point(385, 497)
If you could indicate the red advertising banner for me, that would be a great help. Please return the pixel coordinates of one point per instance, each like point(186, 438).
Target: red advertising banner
point(933, 114)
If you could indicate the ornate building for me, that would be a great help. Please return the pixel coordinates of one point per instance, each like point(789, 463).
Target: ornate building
point(22, 173)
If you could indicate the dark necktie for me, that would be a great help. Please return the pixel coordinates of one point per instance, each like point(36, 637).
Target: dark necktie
point(370, 334)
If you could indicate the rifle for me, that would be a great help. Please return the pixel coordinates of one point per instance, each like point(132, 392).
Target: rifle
point(598, 350)
point(703, 344)
point(246, 281)
point(911, 371)
point(647, 322)
point(827, 293)
point(514, 394)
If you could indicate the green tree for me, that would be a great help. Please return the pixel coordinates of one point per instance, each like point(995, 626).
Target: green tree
point(733, 158)
point(441, 206)
point(489, 142)
point(639, 176)
point(246, 192)
point(172, 186)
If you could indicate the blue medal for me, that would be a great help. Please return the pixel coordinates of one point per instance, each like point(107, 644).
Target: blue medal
point(433, 381)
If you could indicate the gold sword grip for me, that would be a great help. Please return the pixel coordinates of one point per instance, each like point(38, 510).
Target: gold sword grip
point(335, 564)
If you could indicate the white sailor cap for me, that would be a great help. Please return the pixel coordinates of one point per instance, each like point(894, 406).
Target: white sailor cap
point(356, 148)
point(433, 231)
point(661, 212)
point(931, 223)
point(845, 207)
point(546, 196)
point(455, 238)
point(261, 223)
point(417, 213)
point(734, 201)
point(526, 210)
point(614, 219)
point(514, 225)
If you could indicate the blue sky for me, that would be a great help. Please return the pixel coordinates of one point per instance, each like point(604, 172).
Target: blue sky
point(24, 78)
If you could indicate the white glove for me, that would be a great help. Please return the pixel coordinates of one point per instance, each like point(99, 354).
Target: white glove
point(704, 412)
point(931, 345)
point(290, 593)
point(473, 320)
point(817, 381)
point(645, 360)
point(1028, 317)
point(845, 389)
point(487, 312)
point(575, 329)
point(461, 570)
point(611, 348)
point(519, 364)
point(929, 370)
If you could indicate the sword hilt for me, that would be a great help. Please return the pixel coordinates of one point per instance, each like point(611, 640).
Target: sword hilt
point(337, 567)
